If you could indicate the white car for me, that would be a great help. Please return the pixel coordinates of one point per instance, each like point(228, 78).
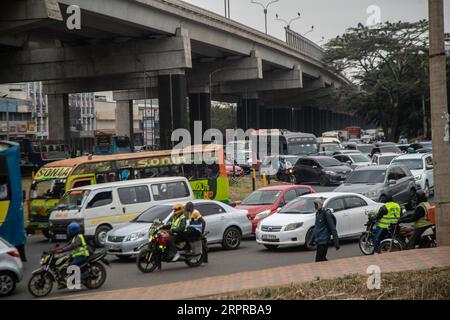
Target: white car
point(293, 225)
point(355, 160)
point(384, 158)
point(421, 167)
point(11, 268)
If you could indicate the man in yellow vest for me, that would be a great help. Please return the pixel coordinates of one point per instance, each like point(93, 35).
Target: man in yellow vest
point(420, 219)
point(388, 214)
point(177, 226)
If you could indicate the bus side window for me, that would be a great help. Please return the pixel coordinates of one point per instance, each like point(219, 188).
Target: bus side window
point(213, 170)
point(4, 194)
point(100, 178)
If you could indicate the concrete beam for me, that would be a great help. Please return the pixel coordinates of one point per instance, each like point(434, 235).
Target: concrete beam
point(96, 60)
point(135, 94)
point(275, 80)
point(114, 82)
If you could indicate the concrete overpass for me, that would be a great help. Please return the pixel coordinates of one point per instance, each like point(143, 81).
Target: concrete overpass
point(171, 50)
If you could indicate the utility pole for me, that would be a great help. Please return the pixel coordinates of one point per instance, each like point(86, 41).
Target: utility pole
point(439, 121)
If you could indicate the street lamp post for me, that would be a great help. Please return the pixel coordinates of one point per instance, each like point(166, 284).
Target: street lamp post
point(265, 8)
point(288, 24)
point(309, 31)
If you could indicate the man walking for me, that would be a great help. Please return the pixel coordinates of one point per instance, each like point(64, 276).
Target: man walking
point(325, 226)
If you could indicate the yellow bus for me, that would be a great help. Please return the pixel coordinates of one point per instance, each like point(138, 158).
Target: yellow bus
point(202, 165)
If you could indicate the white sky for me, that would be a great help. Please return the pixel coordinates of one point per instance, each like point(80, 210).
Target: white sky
point(329, 17)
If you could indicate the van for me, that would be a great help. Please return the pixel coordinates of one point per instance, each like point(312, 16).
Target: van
point(100, 208)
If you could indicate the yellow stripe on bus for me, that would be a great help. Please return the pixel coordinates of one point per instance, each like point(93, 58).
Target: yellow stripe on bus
point(127, 217)
point(4, 206)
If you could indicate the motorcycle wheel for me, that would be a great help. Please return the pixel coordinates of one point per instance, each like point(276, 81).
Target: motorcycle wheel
point(427, 243)
point(40, 284)
point(96, 276)
point(146, 261)
point(390, 246)
point(366, 244)
point(195, 261)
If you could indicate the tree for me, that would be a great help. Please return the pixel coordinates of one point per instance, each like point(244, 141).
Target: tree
point(388, 66)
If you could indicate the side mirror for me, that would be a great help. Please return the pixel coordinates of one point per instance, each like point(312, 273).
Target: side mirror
point(314, 167)
point(348, 162)
point(278, 209)
point(392, 182)
point(429, 167)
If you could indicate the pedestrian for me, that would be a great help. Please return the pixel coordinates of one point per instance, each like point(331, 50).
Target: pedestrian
point(325, 227)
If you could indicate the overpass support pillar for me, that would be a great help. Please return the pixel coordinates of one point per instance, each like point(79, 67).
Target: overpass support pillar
point(249, 114)
point(172, 95)
point(58, 117)
point(199, 110)
point(124, 119)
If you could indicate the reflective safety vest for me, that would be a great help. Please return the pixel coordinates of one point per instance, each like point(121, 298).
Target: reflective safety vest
point(81, 251)
point(394, 212)
point(176, 223)
point(425, 220)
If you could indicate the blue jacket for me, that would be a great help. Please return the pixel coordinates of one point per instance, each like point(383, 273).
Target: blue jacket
point(324, 224)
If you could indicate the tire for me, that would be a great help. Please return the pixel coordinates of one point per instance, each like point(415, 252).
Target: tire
point(427, 188)
point(271, 247)
point(385, 246)
point(46, 233)
point(40, 284)
point(7, 283)
point(100, 236)
point(308, 241)
point(366, 243)
point(146, 263)
point(412, 202)
point(231, 238)
point(323, 181)
point(195, 262)
point(96, 276)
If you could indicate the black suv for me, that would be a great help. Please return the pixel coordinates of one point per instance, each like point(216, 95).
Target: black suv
point(320, 169)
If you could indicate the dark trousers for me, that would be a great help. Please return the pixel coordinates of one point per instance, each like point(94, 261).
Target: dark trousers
point(380, 234)
point(78, 261)
point(415, 238)
point(321, 253)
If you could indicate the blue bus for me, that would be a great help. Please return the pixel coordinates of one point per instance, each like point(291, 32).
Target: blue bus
point(108, 144)
point(12, 227)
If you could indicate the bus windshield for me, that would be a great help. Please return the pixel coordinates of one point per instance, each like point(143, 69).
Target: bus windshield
point(302, 149)
point(48, 189)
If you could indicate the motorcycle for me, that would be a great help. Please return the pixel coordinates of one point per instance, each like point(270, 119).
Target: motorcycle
point(152, 255)
point(400, 236)
point(53, 269)
point(366, 240)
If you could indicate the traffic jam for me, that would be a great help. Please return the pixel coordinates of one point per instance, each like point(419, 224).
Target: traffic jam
point(131, 206)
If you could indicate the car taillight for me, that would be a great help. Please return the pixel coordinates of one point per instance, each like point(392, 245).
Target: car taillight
point(14, 253)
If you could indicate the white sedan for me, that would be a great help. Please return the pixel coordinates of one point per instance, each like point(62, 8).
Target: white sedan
point(294, 223)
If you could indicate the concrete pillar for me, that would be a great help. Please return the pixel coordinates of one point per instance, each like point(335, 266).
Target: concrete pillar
point(58, 117)
point(172, 95)
point(199, 110)
point(124, 119)
point(248, 114)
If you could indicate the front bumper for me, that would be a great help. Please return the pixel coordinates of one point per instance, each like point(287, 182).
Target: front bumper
point(294, 237)
point(59, 226)
point(336, 179)
point(124, 248)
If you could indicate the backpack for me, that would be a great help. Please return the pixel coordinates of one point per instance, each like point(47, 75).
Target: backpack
point(332, 217)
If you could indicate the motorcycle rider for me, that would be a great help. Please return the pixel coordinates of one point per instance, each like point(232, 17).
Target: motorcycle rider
point(177, 226)
point(196, 228)
point(388, 214)
point(420, 219)
point(77, 244)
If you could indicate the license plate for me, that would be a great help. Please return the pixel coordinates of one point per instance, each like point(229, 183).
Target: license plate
point(42, 225)
point(114, 248)
point(268, 237)
point(61, 237)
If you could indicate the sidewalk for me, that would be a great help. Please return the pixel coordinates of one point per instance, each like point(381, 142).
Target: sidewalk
point(282, 276)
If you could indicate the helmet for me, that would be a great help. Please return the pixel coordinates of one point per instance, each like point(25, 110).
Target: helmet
point(73, 229)
point(178, 209)
point(388, 197)
point(411, 150)
point(421, 196)
point(195, 215)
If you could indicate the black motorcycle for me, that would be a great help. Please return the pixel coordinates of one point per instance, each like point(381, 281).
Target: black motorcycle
point(152, 255)
point(366, 240)
point(53, 269)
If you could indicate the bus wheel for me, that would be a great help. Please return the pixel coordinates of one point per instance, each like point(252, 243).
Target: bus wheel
point(100, 236)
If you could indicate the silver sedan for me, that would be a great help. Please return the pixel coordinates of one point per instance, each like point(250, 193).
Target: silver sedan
point(11, 269)
point(225, 225)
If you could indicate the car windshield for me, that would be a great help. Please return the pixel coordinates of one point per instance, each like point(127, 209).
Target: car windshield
point(154, 213)
point(302, 148)
point(48, 189)
point(299, 206)
point(386, 159)
point(388, 148)
point(364, 149)
point(412, 164)
point(358, 158)
point(366, 176)
point(73, 199)
point(328, 162)
point(261, 197)
point(330, 147)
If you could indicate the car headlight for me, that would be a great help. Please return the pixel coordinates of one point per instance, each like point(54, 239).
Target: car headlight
point(262, 215)
point(135, 236)
point(293, 226)
point(372, 194)
point(331, 173)
point(418, 177)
